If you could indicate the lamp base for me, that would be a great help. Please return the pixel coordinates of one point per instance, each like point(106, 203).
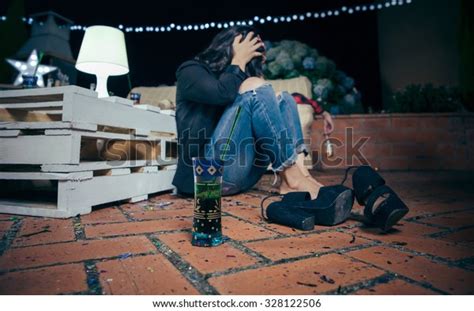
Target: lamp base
point(101, 87)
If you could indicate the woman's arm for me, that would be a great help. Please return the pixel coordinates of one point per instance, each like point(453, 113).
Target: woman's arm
point(197, 84)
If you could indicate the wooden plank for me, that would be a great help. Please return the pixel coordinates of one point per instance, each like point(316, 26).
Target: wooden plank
point(78, 197)
point(119, 100)
point(9, 133)
point(45, 176)
point(170, 167)
point(102, 135)
point(11, 125)
point(97, 111)
point(138, 198)
point(49, 91)
point(20, 207)
point(141, 132)
point(148, 108)
point(169, 112)
point(94, 166)
point(113, 172)
point(38, 149)
point(33, 106)
point(73, 196)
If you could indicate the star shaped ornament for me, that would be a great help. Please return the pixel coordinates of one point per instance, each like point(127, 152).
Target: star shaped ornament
point(28, 68)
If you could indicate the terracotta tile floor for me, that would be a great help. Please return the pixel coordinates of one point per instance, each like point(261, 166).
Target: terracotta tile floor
point(144, 248)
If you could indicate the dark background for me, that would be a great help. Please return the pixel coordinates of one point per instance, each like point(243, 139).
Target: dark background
point(350, 40)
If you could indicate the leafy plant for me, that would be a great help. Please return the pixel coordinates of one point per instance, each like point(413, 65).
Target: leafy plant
point(427, 98)
point(331, 87)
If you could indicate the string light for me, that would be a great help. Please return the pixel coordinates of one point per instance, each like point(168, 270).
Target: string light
point(341, 11)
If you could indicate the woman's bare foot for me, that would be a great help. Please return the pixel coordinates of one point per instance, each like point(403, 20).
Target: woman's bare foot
point(304, 170)
point(294, 180)
point(308, 187)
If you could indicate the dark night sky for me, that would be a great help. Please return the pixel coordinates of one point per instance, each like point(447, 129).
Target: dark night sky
point(351, 41)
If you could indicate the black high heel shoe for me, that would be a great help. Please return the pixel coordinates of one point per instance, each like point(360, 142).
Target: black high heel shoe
point(382, 206)
point(332, 206)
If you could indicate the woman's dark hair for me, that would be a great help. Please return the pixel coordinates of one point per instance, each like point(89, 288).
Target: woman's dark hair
point(219, 53)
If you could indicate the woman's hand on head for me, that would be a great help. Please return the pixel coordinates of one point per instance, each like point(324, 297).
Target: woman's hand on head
point(246, 49)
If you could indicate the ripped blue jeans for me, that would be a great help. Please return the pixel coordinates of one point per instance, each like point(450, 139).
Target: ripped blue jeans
point(268, 131)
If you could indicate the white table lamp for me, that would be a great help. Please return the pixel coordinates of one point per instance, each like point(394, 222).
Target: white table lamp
point(104, 54)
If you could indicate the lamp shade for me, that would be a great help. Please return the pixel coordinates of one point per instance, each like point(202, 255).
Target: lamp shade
point(103, 52)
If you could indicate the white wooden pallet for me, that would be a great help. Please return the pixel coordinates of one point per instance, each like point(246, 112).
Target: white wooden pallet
point(77, 193)
point(63, 146)
point(41, 137)
point(75, 105)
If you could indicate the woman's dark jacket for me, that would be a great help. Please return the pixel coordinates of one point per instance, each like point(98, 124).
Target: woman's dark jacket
point(201, 98)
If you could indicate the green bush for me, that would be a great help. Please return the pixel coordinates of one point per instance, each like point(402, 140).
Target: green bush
point(427, 98)
point(332, 88)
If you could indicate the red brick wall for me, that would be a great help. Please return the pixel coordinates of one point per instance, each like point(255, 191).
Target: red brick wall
point(431, 141)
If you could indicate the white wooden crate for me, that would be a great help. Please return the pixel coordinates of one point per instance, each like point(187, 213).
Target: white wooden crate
point(42, 132)
point(76, 193)
point(74, 106)
point(63, 146)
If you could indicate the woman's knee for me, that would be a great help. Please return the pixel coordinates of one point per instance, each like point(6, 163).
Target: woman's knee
point(251, 83)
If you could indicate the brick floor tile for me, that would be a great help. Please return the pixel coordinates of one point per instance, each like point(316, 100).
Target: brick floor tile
point(283, 229)
point(137, 227)
point(6, 216)
point(433, 205)
point(396, 287)
point(205, 259)
point(153, 211)
point(60, 230)
point(253, 215)
point(409, 235)
point(398, 232)
point(165, 201)
point(309, 276)
point(249, 199)
point(4, 227)
point(304, 245)
point(45, 281)
point(438, 248)
point(240, 230)
point(454, 220)
point(464, 236)
point(449, 279)
point(143, 275)
point(168, 197)
point(103, 215)
point(248, 213)
point(41, 255)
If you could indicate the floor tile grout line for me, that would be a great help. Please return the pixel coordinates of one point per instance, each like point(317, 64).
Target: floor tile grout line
point(251, 223)
point(78, 228)
point(246, 250)
point(365, 284)
point(191, 274)
point(403, 277)
point(445, 232)
point(433, 258)
point(75, 262)
point(135, 221)
point(10, 235)
point(102, 238)
point(93, 279)
point(430, 215)
point(272, 263)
